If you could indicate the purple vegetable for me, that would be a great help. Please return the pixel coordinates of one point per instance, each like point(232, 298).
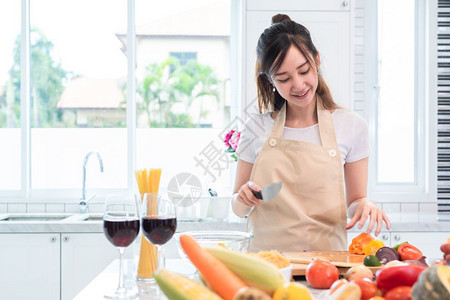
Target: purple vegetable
point(387, 254)
point(421, 261)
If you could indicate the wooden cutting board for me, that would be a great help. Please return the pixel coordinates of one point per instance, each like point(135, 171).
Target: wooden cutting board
point(341, 259)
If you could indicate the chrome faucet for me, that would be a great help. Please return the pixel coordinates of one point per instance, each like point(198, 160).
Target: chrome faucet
point(83, 202)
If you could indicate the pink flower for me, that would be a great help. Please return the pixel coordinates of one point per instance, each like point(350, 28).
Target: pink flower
point(231, 141)
point(228, 137)
point(234, 140)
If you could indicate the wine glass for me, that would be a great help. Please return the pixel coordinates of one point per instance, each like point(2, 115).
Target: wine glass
point(121, 227)
point(159, 223)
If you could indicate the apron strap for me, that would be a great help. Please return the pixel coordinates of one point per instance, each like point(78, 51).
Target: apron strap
point(326, 127)
point(280, 120)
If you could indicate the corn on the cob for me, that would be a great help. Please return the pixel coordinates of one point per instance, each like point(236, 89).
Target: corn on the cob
point(178, 287)
point(253, 270)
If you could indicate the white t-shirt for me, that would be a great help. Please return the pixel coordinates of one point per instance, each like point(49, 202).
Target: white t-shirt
point(351, 130)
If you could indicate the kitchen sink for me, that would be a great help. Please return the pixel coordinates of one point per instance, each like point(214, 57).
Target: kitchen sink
point(34, 217)
point(45, 217)
point(93, 217)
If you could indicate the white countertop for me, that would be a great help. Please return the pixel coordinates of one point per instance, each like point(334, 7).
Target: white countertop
point(106, 282)
point(399, 222)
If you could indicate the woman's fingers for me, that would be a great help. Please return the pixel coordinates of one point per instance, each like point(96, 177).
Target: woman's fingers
point(447, 258)
point(364, 215)
point(379, 222)
point(250, 197)
point(446, 249)
point(373, 217)
point(376, 215)
point(386, 220)
point(246, 196)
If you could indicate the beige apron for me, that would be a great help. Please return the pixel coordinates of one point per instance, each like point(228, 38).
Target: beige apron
point(309, 213)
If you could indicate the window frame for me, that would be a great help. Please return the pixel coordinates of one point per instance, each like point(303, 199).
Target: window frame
point(423, 189)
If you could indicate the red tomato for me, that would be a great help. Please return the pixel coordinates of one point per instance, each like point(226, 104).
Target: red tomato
point(399, 293)
point(368, 288)
point(321, 274)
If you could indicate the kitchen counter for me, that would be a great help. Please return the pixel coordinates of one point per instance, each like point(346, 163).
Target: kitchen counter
point(77, 223)
point(107, 281)
point(399, 222)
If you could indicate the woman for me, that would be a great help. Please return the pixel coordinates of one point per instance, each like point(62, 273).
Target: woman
point(304, 140)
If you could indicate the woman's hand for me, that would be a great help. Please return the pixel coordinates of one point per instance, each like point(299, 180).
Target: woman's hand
point(360, 210)
point(245, 194)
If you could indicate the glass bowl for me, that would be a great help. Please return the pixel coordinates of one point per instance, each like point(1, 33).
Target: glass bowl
point(236, 240)
point(287, 273)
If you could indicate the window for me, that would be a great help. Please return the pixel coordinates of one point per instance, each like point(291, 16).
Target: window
point(184, 57)
point(182, 114)
point(80, 98)
point(77, 93)
point(10, 133)
point(401, 98)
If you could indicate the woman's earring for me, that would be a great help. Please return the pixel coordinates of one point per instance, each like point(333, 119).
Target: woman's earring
point(274, 90)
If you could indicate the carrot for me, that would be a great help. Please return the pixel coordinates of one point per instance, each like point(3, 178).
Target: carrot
point(224, 282)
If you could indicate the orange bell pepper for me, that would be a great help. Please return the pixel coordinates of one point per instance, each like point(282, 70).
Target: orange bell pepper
point(359, 243)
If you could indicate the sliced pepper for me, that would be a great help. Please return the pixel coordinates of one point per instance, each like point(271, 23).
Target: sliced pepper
point(359, 242)
point(398, 245)
point(389, 278)
point(372, 247)
point(409, 252)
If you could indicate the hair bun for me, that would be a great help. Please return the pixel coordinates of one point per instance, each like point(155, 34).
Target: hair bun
point(280, 18)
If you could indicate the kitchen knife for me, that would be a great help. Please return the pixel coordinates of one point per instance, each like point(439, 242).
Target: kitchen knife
point(269, 191)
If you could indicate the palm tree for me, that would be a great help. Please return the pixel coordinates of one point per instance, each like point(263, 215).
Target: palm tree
point(155, 88)
point(196, 81)
point(170, 82)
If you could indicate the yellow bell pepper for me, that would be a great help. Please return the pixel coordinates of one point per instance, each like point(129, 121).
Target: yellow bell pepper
point(372, 247)
point(292, 291)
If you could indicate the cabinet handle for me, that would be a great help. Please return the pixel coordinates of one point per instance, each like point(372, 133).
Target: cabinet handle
point(345, 3)
point(385, 237)
point(66, 239)
point(397, 237)
point(52, 239)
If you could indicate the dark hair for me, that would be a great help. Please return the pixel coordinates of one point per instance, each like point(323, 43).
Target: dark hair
point(273, 44)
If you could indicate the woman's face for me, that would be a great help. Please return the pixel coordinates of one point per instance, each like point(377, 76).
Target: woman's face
point(296, 80)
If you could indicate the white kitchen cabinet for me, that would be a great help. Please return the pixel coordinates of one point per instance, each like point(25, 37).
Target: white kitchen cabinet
point(83, 256)
point(52, 266)
point(428, 242)
point(29, 266)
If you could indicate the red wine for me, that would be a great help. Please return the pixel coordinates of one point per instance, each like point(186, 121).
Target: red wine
point(121, 232)
point(159, 229)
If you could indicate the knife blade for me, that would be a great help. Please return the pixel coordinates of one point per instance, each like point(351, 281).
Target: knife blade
point(269, 191)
